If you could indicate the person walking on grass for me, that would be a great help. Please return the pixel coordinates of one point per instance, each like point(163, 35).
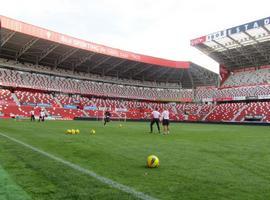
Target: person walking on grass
point(155, 115)
point(165, 116)
point(32, 113)
point(107, 117)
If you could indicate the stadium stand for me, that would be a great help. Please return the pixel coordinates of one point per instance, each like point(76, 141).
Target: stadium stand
point(68, 81)
point(224, 112)
point(250, 76)
point(60, 84)
point(42, 88)
point(6, 97)
point(64, 105)
point(253, 109)
point(64, 113)
point(35, 98)
point(245, 91)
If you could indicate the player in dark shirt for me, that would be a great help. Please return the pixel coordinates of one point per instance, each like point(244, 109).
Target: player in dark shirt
point(107, 117)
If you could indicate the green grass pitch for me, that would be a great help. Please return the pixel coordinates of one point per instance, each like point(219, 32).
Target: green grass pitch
point(197, 161)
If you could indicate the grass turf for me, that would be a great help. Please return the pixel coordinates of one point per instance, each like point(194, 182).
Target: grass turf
point(9, 189)
point(197, 161)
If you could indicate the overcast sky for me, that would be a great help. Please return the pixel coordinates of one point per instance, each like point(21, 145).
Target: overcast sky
point(161, 28)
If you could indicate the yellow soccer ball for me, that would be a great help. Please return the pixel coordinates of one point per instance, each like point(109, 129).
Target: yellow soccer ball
point(77, 131)
point(120, 125)
point(68, 131)
point(93, 131)
point(152, 161)
point(73, 132)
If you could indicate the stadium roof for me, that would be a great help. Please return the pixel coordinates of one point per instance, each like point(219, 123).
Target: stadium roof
point(247, 45)
point(28, 43)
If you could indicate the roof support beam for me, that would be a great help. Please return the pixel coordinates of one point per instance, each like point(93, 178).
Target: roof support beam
point(210, 52)
point(26, 47)
point(181, 76)
point(255, 47)
point(132, 66)
point(266, 29)
point(142, 70)
point(7, 38)
point(65, 56)
point(200, 75)
point(83, 60)
point(46, 52)
point(229, 57)
point(155, 72)
point(191, 79)
point(161, 74)
point(103, 60)
point(242, 47)
point(114, 66)
point(88, 69)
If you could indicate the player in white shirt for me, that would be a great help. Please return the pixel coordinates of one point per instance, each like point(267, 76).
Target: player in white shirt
point(42, 116)
point(155, 119)
point(185, 116)
point(165, 121)
point(32, 113)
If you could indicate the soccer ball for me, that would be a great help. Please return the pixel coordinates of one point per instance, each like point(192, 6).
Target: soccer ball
point(68, 131)
point(93, 131)
point(73, 132)
point(77, 131)
point(120, 125)
point(152, 161)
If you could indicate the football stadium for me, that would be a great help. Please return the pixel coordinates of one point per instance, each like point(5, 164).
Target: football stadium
point(75, 118)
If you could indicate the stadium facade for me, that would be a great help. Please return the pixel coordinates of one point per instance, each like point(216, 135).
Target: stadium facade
point(70, 77)
point(27, 43)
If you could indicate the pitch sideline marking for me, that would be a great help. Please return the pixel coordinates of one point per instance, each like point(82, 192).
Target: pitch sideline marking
point(102, 179)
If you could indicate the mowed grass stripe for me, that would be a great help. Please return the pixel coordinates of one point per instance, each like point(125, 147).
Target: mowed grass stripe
point(9, 189)
point(102, 179)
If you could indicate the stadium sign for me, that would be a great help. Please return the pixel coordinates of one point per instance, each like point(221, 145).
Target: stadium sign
point(121, 110)
point(41, 33)
point(251, 97)
point(239, 98)
point(238, 29)
point(207, 99)
point(264, 97)
point(198, 41)
point(234, 30)
point(216, 35)
point(248, 26)
point(44, 105)
point(70, 106)
point(223, 99)
point(90, 108)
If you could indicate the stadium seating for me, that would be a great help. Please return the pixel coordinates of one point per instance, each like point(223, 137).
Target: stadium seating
point(242, 91)
point(56, 72)
point(204, 93)
point(35, 98)
point(128, 98)
point(63, 113)
point(255, 109)
point(224, 112)
point(128, 109)
point(68, 85)
point(5, 97)
point(251, 77)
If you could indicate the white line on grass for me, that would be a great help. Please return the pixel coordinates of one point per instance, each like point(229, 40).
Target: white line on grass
point(102, 179)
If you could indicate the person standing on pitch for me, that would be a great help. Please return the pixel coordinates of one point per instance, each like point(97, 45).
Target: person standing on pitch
point(42, 116)
point(155, 119)
point(185, 116)
point(165, 121)
point(32, 113)
point(107, 117)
